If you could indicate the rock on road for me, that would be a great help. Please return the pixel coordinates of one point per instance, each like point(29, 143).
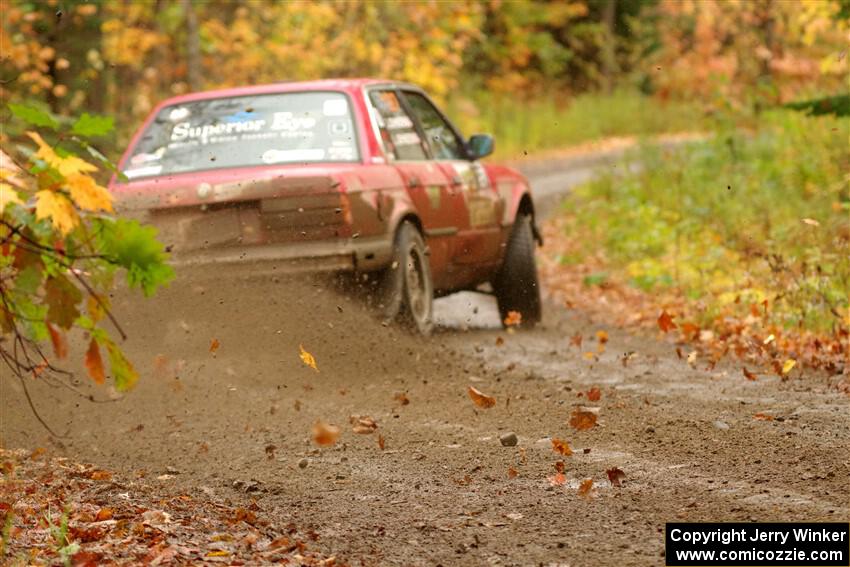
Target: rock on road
point(444, 489)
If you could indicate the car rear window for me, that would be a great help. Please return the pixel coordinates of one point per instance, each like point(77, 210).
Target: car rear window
point(303, 127)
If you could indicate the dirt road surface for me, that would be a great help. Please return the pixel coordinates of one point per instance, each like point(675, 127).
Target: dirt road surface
point(235, 425)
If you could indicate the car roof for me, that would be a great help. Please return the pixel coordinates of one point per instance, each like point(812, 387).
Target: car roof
point(346, 85)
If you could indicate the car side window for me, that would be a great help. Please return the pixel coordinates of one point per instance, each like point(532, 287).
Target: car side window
point(444, 142)
point(398, 133)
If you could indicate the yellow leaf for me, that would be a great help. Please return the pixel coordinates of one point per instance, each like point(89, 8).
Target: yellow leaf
point(788, 366)
point(8, 195)
point(66, 166)
point(57, 208)
point(308, 358)
point(87, 194)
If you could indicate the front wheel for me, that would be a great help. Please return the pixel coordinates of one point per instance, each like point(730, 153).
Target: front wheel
point(406, 291)
point(516, 286)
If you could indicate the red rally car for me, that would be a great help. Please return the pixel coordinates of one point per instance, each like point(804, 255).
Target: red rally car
point(366, 177)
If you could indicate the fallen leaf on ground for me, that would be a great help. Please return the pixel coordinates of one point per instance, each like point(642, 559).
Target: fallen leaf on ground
point(788, 365)
point(512, 472)
point(308, 358)
point(402, 398)
point(363, 424)
point(104, 514)
point(325, 434)
point(582, 419)
point(665, 322)
point(576, 340)
point(560, 466)
point(480, 399)
point(594, 394)
point(615, 475)
point(750, 375)
point(500, 341)
point(602, 336)
point(100, 475)
point(381, 442)
point(585, 488)
point(562, 447)
point(514, 318)
point(763, 417)
point(558, 479)
point(214, 345)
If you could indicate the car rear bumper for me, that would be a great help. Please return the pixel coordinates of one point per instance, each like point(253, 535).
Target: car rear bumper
point(356, 254)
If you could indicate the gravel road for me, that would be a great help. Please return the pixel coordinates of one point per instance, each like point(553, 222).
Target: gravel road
point(235, 425)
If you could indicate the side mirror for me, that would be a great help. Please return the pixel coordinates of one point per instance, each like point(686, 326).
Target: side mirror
point(480, 145)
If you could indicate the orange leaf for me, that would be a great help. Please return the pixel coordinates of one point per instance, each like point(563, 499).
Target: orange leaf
point(582, 419)
point(325, 434)
point(512, 472)
point(558, 480)
point(585, 488)
point(100, 475)
point(214, 345)
point(576, 340)
point(562, 447)
point(480, 399)
point(763, 417)
point(381, 442)
point(594, 394)
point(750, 375)
point(60, 345)
point(615, 475)
point(402, 398)
point(665, 322)
point(689, 330)
point(104, 514)
point(94, 364)
point(559, 466)
point(514, 318)
point(602, 336)
point(308, 358)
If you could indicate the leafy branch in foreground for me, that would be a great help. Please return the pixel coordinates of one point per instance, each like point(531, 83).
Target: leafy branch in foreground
point(61, 248)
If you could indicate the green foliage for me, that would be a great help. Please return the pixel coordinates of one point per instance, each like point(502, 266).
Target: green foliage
point(134, 247)
point(763, 214)
point(553, 122)
point(92, 126)
point(34, 116)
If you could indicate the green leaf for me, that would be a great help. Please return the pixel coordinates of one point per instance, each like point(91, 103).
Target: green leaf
point(134, 247)
point(33, 115)
point(62, 298)
point(123, 373)
point(92, 126)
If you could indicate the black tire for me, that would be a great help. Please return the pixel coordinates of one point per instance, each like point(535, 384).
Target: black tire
point(516, 285)
point(406, 291)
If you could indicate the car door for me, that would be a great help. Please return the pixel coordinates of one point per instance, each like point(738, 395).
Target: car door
point(425, 181)
point(476, 206)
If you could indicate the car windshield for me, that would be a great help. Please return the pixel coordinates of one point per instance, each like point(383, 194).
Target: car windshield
point(301, 127)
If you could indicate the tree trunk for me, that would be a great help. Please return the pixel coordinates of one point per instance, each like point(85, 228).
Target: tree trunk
point(609, 56)
point(193, 46)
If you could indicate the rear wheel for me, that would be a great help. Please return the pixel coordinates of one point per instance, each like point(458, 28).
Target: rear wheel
point(516, 285)
point(406, 292)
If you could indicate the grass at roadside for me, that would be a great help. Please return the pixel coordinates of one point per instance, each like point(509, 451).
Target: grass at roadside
point(744, 237)
point(553, 121)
